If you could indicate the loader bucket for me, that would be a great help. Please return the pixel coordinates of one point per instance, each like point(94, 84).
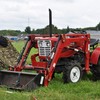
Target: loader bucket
point(21, 80)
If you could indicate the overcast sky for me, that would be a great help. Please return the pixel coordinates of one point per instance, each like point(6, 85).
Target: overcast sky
point(17, 14)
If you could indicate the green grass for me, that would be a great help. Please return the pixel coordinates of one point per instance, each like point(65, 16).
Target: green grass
point(11, 95)
point(19, 46)
point(83, 90)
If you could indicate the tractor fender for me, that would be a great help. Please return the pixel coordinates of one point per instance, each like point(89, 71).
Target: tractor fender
point(95, 56)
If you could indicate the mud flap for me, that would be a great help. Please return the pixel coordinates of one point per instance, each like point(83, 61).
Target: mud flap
point(21, 80)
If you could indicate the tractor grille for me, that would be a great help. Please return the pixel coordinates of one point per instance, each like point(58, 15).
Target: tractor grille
point(44, 47)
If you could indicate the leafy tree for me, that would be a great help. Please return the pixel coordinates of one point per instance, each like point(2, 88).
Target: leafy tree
point(28, 30)
point(67, 30)
point(46, 30)
point(10, 32)
point(98, 26)
point(39, 31)
point(33, 31)
point(54, 29)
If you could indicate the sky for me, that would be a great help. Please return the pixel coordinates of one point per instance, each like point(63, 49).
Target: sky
point(18, 14)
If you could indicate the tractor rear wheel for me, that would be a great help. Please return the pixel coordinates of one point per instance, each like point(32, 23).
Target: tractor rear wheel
point(96, 70)
point(72, 72)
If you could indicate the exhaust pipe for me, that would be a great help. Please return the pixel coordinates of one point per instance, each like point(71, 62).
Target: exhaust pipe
point(50, 22)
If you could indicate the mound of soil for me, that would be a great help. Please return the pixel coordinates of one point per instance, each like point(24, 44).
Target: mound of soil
point(8, 54)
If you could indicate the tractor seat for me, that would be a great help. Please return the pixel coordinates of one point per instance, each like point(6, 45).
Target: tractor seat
point(94, 43)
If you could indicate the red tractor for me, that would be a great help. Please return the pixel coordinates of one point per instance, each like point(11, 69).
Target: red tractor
point(64, 53)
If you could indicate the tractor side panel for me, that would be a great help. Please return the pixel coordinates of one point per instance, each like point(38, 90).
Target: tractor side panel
point(95, 56)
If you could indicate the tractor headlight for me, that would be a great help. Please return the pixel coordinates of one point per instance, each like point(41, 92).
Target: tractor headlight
point(48, 44)
point(44, 43)
point(40, 44)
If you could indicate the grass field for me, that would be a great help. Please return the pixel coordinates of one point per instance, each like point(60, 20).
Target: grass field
point(83, 90)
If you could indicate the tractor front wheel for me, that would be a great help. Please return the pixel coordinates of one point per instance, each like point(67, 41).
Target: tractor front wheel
point(72, 72)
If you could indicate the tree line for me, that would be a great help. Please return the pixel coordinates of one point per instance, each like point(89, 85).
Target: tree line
point(45, 30)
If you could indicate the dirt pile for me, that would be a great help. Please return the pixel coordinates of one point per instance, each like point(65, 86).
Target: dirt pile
point(8, 54)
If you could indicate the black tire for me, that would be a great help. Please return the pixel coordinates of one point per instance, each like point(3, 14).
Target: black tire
point(3, 41)
point(95, 69)
point(72, 72)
